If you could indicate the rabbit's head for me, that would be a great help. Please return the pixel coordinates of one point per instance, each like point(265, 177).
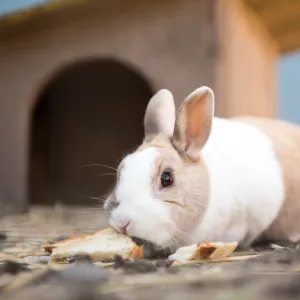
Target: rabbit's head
point(162, 189)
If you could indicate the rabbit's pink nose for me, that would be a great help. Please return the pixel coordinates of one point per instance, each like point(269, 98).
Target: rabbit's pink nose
point(123, 229)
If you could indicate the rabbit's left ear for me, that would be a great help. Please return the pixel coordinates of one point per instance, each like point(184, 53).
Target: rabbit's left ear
point(194, 122)
point(160, 114)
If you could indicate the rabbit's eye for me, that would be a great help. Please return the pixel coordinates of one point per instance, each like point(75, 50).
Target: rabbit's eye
point(166, 179)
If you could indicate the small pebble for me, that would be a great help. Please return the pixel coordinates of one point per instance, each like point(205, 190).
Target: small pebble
point(119, 261)
point(164, 263)
point(83, 259)
point(138, 241)
point(3, 236)
point(12, 267)
point(136, 266)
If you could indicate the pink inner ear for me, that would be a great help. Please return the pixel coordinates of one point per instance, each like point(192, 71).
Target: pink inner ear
point(197, 118)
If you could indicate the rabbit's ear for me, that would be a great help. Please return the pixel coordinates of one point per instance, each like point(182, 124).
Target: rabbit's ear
point(194, 122)
point(160, 114)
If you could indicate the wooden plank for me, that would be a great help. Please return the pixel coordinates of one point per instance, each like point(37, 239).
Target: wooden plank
point(289, 42)
point(261, 5)
point(285, 28)
point(281, 13)
point(281, 18)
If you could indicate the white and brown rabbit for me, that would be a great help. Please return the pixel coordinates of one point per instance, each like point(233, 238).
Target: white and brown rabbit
point(197, 177)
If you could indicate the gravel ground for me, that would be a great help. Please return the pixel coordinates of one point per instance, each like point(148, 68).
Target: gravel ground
point(25, 274)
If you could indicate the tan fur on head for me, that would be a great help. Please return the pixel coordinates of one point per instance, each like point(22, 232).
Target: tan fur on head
point(188, 201)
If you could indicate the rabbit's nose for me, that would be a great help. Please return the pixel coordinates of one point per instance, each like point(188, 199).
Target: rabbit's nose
point(123, 229)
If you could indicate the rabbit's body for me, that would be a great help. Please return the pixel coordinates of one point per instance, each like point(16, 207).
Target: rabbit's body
point(247, 159)
point(197, 178)
point(285, 138)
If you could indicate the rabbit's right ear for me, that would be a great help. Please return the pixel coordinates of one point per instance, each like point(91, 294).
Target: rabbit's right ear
point(194, 122)
point(160, 114)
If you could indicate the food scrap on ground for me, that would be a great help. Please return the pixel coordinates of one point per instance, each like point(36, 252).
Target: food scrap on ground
point(204, 252)
point(103, 245)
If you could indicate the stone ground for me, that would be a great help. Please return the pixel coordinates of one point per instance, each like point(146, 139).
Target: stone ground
point(25, 274)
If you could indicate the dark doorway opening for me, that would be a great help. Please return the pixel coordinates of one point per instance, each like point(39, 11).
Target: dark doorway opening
point(90, 114)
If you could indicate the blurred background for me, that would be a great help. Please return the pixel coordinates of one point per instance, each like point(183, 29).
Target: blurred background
point(76, 76)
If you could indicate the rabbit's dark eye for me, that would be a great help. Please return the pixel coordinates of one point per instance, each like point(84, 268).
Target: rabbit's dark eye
point(166, 179)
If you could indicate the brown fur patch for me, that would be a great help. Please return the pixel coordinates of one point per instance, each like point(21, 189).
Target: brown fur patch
point(188, 198)
point(286, 140)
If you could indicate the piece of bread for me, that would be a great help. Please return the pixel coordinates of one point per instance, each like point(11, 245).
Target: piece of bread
point(103, 245)
point(49, 247)
point(204, 251)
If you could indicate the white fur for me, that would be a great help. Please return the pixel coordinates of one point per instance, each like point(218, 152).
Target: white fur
point(246, 189)
point(147, 214)
point(246, 184)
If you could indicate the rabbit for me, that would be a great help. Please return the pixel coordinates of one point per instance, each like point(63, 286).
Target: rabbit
point(196, 177)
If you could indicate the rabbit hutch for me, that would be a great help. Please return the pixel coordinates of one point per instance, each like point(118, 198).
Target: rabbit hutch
point(76, 76)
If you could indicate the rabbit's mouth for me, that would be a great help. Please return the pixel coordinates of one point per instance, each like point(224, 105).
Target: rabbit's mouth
point(175, 203)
